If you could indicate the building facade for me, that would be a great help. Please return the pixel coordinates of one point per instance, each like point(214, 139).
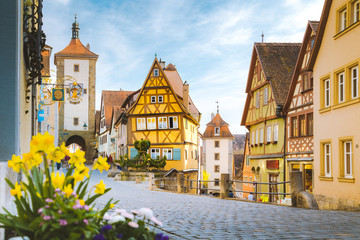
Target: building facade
point(164, 114)
point(217, 142)
point(76, 74)
point(299, 113)
point(335, 64)
point(270, 73)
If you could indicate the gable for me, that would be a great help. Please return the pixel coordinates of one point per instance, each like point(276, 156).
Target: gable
point(258, 76)
point(157, 95)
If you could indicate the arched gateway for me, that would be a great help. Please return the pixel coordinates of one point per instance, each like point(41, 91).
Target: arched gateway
point(76, 73)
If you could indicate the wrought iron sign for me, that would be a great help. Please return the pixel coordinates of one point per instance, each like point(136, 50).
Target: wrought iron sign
point(34, 40)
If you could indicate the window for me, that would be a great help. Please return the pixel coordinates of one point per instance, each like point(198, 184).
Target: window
point(342, 19)
point(257, 99)
point(160, 99)
point(266, 95)
point(155, 153)
point(327, 159)
point(173, 122)
point(167, 153)
point(347, 149)
point(153, 99)
point(310, 124)
point(76, 67)
point(247, 162)
point(192, 154)
point(156, 72)
point(162, 122)
point(302, 125)
point(76, 121)
point(253, 138)
point(186, 123)
point(294, 127)
point(217, 156)
point(217, 131)
point(261, 135)
point(151, 123)
point(257, 137)
point(268, 134)
point(354, 82)
point(217, 182)
point(141, 125)
point(85, 91)
point(327, 92)
point(186, 156)
point(217, 144)
point(355, 11)
point(217, 168)
point(341, 84)
point(276, 132)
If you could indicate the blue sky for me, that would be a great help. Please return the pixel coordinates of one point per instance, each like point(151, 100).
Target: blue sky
point(209, 41)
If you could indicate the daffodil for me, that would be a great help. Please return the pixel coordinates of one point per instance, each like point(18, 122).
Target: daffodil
point(112, 206)
point(42, 143)
point(101, 164)
point(80, 172)
point(57, 180)
point(82, 202)
point(16, 191)
point(32, 159)
point(68, 190)
point(15, 163)
point(100, 188)
point(77, 158)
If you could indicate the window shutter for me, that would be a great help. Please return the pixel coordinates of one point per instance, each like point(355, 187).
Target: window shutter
point(177, 154)
point(133, 152)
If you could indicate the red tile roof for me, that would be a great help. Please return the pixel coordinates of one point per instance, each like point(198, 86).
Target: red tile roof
point(217, 121)
point(76, 48)
point(111, 99)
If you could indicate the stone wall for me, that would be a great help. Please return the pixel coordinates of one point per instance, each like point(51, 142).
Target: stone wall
point(335, 203)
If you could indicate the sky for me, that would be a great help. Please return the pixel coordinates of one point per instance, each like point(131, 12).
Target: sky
point(209, 41)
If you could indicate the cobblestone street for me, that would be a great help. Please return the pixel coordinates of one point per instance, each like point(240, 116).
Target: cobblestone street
point(201, 217)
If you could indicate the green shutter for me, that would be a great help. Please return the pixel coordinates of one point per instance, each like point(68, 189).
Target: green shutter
point(177, 154)
point(133, 152)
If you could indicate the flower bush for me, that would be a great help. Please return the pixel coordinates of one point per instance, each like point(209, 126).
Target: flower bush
point(59, 206)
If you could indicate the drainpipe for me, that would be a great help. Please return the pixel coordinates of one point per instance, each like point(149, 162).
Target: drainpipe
point(281, 114)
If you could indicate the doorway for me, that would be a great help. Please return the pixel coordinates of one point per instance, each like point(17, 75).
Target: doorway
point(273, 188)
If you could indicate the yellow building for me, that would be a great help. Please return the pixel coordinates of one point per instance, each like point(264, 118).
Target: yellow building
point(335, 64)
point(270, 73)
point(164, 114)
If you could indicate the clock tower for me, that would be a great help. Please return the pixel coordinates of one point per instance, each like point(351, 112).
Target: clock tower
point(76, 74)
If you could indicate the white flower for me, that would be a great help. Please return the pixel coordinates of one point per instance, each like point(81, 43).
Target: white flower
point(128, 215)
point(107, 217)
point(133, 224)
point(136, 212)
point(146, 212)
point(118, 210)
point(116, 219)
point(156, 221)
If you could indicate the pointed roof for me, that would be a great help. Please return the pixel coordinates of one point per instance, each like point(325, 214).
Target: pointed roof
point(76, 49)
point(311, 26)
point(116, 112)
point(217, 121)
point(278, 61)
point(110, 99)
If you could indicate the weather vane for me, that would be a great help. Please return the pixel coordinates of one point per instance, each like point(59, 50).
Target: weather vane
point(217, 103)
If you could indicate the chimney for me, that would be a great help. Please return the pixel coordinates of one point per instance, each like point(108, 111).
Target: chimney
point(212, 116)
point(162, 64)
point(88, 46)
point(186, 95)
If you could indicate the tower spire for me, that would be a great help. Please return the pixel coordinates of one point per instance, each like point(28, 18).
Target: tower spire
point(75, 29)
point(262, 36)
point(217, 106)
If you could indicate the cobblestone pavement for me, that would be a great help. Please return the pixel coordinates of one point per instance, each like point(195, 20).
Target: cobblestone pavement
point(201, 217)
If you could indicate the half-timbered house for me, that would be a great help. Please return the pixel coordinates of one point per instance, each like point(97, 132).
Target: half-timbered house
point(299, 111)
point(164, 114)
point(268, 83)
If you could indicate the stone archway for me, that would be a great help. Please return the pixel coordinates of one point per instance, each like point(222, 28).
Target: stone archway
point(78, 140)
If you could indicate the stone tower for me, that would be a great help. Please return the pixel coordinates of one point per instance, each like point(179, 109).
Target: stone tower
point(76, 73)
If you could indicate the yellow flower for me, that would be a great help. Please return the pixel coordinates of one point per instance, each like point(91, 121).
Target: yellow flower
point(57, 181)
point(82, 202)
point(101, 164)
point(32, 159)
point(80, 172)
point(77, 158)
point(68, 190)
point(15, 163)
point(100, 188)
point(16, 191)
point(112, 205)
point(42, 143)
point(64, 149)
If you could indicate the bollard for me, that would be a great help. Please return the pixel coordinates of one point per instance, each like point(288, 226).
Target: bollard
point(180, 182)
point(296, 182)
point(151, 181)
point(224, 185)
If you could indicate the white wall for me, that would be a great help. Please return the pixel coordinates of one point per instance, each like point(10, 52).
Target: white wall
point(77, 110)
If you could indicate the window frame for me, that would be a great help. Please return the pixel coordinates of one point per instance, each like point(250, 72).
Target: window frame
point(257, 99)
point(294, 127)
point(216, 181)
point(216, 156)
point(76, 121)
point(162, 99)
point(140, 124)
point(216, 131)
point(156, 152)
point(327, 164)
point(342, 19)
point(216, 168)
point(76, 67)
point(302, 125)
point(257, 137)
point(276, 132)
point(151, 125)
point(153, 99)
point(216, 144)
point(356, 88)
point(173, 122)
point(161, 122)
point(268, 133)
point(261, 132)
point(327, 96)
point(347, 166)
point(266, 95)
point(166, 152)
point(156, 72)
point(310, 124)
point(341, 86)
point(355, 11)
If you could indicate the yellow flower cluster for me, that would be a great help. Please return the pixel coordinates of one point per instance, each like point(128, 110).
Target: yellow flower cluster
point(101, 164)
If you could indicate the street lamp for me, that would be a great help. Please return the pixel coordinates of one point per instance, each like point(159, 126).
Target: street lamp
point(85, 126)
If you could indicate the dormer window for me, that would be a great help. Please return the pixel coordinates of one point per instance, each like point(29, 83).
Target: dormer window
point(217, 131)
point(156, 72)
